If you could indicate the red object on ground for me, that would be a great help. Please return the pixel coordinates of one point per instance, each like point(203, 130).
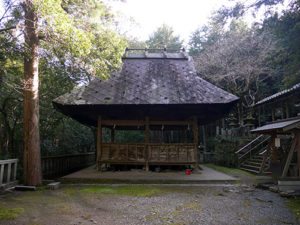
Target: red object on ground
point(188, 172)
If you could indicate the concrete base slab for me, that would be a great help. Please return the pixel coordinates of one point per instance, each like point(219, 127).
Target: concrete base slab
point(3, 187)
point(91, 175)
point(289, 185)
point(264, 179)
point(53, 186)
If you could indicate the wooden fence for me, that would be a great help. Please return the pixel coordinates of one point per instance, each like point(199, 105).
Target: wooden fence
point(139, 153)
point(56, 166)
point(8, 172)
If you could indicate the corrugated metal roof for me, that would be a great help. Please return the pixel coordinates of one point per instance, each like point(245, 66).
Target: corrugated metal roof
point(149, 80)
point(281, 126)
point(280, 94)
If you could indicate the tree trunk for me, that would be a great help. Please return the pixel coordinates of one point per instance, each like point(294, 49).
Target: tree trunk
point(32, 155)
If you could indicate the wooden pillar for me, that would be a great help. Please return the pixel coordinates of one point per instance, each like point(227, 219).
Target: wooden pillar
point(195, 130)
point(266, 155)
point(297, 139)
point(147, 143)
point(274, 152)
point(290, 157)
point(287, 110)
point(204, 135)
point(259, 119)
point(112, 135)
point(99, 142)
point(273, 114)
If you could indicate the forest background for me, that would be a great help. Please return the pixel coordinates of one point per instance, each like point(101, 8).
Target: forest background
point(250, 61)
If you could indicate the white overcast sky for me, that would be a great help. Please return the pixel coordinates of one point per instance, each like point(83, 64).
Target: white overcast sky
point(184, 16)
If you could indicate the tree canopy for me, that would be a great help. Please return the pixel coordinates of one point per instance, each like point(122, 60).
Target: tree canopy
point(164, 37)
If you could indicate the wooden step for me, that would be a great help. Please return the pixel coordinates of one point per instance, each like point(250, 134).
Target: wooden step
point(257, 157)
point(251, 167)
point(249, 170)
point(253, 163)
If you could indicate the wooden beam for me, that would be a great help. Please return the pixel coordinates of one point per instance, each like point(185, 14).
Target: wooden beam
point(147, 139)
point(112, 135)
point(287, 110)
point(99, 142)
point(123, 123)
point(289, 158)
point(297, 137)
point(273, 114)
point(274, 153)
point(143, 123)
point(170, 123)
point(259, 119)
point(266, 155)
point(195, 131)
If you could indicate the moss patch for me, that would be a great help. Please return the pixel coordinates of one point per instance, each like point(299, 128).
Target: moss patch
point(228, 170)
point(65, 210)
point(294, 204)
point(70, 191)
point(193, 206)
point(13, 213)
point(42, 188)
point(141, 191)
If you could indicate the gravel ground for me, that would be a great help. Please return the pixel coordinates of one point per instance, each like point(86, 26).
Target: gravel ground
point(175, 205)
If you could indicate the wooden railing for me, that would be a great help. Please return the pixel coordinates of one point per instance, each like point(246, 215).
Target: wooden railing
point(172, 153)
point(141, 152)
point(56, 166)
point(8, 172)
point(256, 145)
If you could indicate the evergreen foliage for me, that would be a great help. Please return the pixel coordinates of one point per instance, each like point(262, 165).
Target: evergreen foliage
point(164, 37)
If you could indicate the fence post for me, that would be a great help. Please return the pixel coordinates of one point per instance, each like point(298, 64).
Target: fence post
point(1, 173)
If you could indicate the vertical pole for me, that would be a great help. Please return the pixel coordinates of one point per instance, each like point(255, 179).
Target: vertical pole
point(8, 172)
point(297, 136)
point(195, 129)
point(112, 135)
point(1, 173)
point(289, 158)
point(259, 119)
point(287, 110)
point(204, 136)
point(273, 114)
point(99, 142)
point(15, 170)
point(274, 154)
point(147, 143)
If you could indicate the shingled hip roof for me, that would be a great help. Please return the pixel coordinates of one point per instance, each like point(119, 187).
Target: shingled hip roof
point(151, 79)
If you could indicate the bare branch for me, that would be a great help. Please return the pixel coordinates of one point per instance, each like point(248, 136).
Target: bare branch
point(7, 29)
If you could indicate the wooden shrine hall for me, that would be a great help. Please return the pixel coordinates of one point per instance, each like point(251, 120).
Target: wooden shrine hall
point(153, 91)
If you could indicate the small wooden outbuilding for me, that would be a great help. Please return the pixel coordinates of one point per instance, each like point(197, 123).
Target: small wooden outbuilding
point(281, 105)
point(276, 130)
point(153, 91)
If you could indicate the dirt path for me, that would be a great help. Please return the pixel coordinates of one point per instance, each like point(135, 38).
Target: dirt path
point(76, 205)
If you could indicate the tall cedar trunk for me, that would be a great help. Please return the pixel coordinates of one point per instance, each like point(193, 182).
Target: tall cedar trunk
point(32, 155)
